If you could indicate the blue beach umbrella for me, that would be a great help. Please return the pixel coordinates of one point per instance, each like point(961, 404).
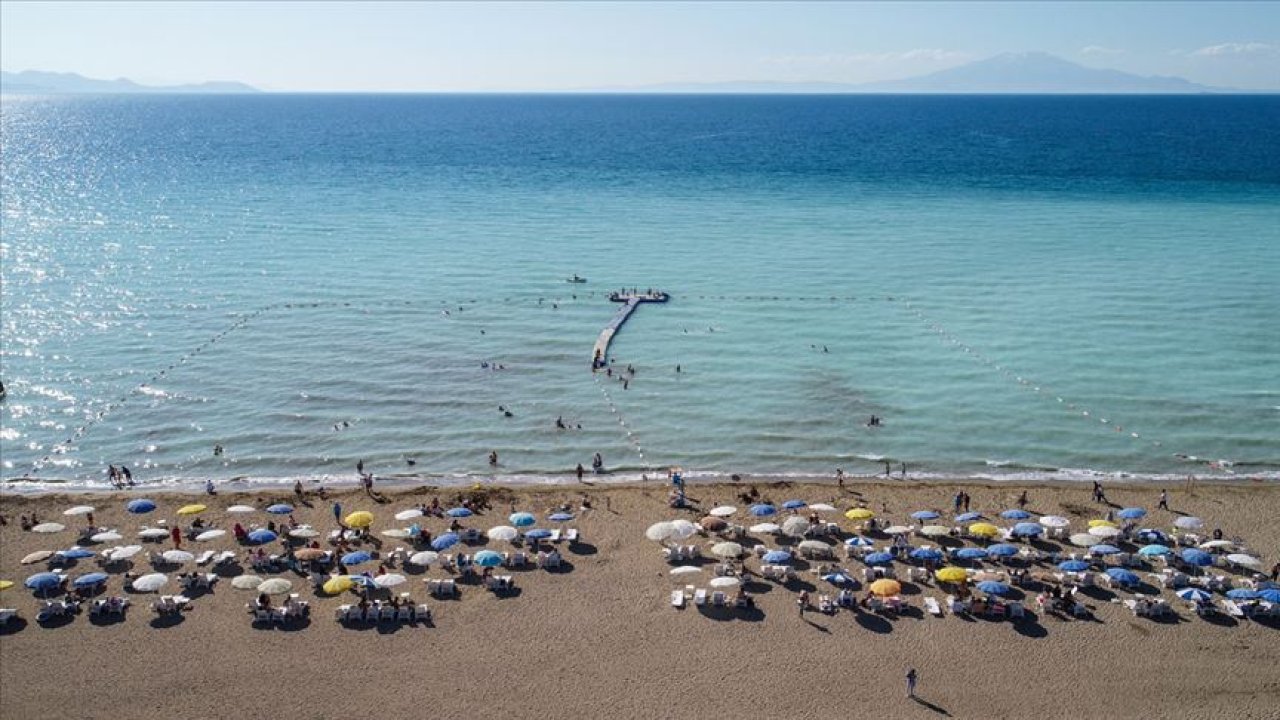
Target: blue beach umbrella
point(1153, 550)
point(1104, 549)
point(1027, 529)
point(363, 579)
point(859, 541)
point(925, 515)
point(1197, 557)
point(1015, 514)
point(926, 554)
point(794, 504)
point(538, 534)
point(260, 536)
point(1122, 576)
point(1131, 513)
point(1073, 566)
point(1002, 550)
point(1271, 595)
point(280, 509)
point(968, 517)
point(356, 558)
point(992, 587)
point(43, 582)
point(1243, 594)
point(90, 580)
point(777, 557)
point(878, 558)
point(837, 578)
point(140, 506)
point(970, 553)
point(1193, 595)
point(445, 541)
point(560, 517)
point(763, 510)
point(76, 553)
point(1150, 535)
point(458, 512)
point(487, 558)
point(522, 519)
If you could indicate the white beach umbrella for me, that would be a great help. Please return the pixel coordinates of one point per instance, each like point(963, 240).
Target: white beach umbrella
point(124, 552)
point(685, 570)
point(682, 529)
point(409, 514)
point(766, 528)
point(150, 583)
point(210, 535)
point(897, 530)
point(1085, 540)
point(795, 526)
point(397, 533)
point(424, 558)
point(815, 545)
point(178, 557)
point(241, 509)
point(1188, 522)
point(502, 533)
point(389, 580)
point(1243, 560)
point(108, 536)
point(935, 530)
point(275, 586)
point(37, 556)
point(726, 550)
point(304, 533)
point(723, 511)
point(79, 510)
point(1054, 521)
point(246, 582)
point(724, 582)
point(49, 527)
point(659, 531)
point(823, 507)
point(149, 533)
point(1214, 544)
point(1104, 531)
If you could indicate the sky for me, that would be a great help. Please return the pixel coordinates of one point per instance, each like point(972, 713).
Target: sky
point(529, 46)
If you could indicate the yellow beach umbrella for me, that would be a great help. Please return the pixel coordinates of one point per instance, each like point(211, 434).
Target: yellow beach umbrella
point(859, 514)
point(338, 584)
point(984, 530)
point(192, 509)
point(885, 587)
point(1099, 522)
point(6, 584)
point(951, 574)
point(360, 519)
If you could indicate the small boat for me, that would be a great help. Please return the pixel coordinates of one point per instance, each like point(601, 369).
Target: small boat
point(575, 279)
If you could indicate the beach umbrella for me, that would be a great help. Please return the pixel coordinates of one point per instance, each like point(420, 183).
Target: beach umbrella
point(194, 509)
point(837, 578)
point(424, 558)
point(76, 553)
point(970, 553)
point(1122, 576)
point(240, 509)
point(926, 554)
point(124, 552)
point(395, 533)
point(726, 550)
point(984, 530)
point(458, 512)
point(153, 533)
point(897, 530)
point(1027, 529)
point(1243, 594)
point(1148, 535)
point(1215, 544)
point(1131, 513)
point(150, 582)
point(951, 574)
point(1002, 550)
point(859, 514)
point(1194, 556)
point(776, 557)
point(766, 528)
point(49, 527)
point(822, 507)
point(1054, 521)
point(935, 530)
point(487, 558)
point(1085, 539)
point(338, 584)
point(310, 554)
point(108, 536)
point(681, 529)
point(1188, 522)
point(1243, 560)
point(1015, 514)
point(885, 587)
point(280, 509)
point(260, 536)
point(878, 558)
point(78, 510)
point(362, 519)
point(793, 504)
point(1271, 595)
point(1154, 549)
point(560, 517)
point(763, 510)
point(246, 582)
point(724, 583)
point(1104, 549)
point(1104, 531)
point(178, 557)
point(537, 534)
point(713, 524)
point(6, 584)
point(357, 557)
point(210, 535)
point(1101, 522)
point(1193, 594)
point(816, 546)
point(303, 533)
point(90, 580)
point(1073, 566)
point(37, 556)
point(968, 517)
point(723, 511)
point(43, 582)
point(685, 570)
point(503, 533)
point(992, 587)
point(394, 579)
point(522, 519)
point(140, 506)
point(795, 526)
point(409, 514)
point(860, 541)
point(275, 586)
point(925, 515)
point(658, 531)
point(445, 541)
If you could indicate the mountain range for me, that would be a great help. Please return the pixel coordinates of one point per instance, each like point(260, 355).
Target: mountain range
point(37, 82)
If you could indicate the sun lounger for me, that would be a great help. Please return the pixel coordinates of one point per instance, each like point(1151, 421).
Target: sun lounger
point(719, 599)
point(571, 535)
point(1233, 609)
point(932, 606)
point(700, 597)
point(7, 614)
point(555, 536)
point(825, 605)
point(875, 604)
point(677, 598)
point(205, 557)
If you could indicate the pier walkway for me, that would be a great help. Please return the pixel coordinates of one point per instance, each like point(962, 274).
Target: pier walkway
point(630, 301)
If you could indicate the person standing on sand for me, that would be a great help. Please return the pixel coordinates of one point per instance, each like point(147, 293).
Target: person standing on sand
point(1164, 499)
point(840, 478)
point(337, 513)
point(911, 682)
point(888, 469)
point(803, 601)
point(581, 471)
point(1022, 500)
point(176, 535)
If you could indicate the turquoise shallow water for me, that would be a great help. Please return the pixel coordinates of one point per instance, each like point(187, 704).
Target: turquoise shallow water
point(965, 262)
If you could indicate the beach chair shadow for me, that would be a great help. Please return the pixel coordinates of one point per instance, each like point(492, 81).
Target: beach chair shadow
point(910, 589)
point(295, 624)
point(720, 614)
point(874, 623)
point(1220, 619)
point(949, 542)
point(509, 593)
point(228, 570)
point(1029, 627)
point(1098, 593)
point(1266, 621)
point(168, 620)
point(103, 619)
point(754, 614)
point(14, 626)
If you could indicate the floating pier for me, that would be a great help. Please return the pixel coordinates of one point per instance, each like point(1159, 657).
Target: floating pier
point(630, 301)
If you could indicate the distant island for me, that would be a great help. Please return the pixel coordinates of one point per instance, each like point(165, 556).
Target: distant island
point(37, 82)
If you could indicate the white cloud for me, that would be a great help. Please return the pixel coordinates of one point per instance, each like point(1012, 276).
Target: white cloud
point(1098, 50)
point(1249, 48)
point(933, 55)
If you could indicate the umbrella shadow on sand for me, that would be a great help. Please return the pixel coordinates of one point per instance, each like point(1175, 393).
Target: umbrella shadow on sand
point(104, 619)
point(229, 570)
point(563, 568)
point(581, 548)
point(874, 623)
point(13, 627)
point(1030, 627)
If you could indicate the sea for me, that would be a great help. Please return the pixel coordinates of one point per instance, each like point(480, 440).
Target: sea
point(261, 288)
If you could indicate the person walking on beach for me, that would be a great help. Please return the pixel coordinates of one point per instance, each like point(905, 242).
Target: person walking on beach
point(128, 476)
point(1022, 500)
point(840, 478)
point(581, 471)
point(966, 502)
point(176, 535)
point(493, 458)
point(911, 682)
point(337, 513)
point(1164, 499)
point(803, 601)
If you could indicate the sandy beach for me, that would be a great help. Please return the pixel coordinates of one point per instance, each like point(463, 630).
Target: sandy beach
point(601, 638)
